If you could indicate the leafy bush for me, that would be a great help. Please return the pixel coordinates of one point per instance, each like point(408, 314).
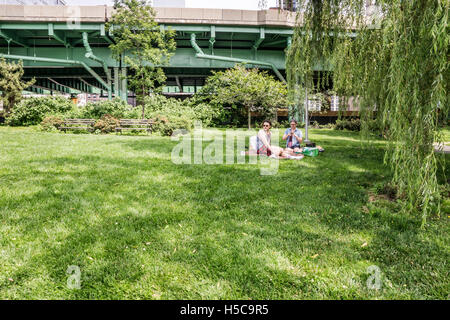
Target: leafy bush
point(51, 123)
point(243, 91)
point(170, 114)
point(107, 123)
point(32, 111)
point(157, 102)
point(132, 113)
point(74, 113)
point(160, 104)
point(328, 126)
point(315, 125)
point(166, 124)
point(355, 125)
point(95, 110)
point(189, 109)
point(375, 126)
point(349, 124)
point(212, 113)
point(341, 124)
point(206, 113)
point(285, 124)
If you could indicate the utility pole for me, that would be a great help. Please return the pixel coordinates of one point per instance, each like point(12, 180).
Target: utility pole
point(306, 114)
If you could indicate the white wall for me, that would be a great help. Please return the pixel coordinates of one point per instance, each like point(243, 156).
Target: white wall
point(170, 3)
point(215, 4)
point(32, 2)
point(228, 4)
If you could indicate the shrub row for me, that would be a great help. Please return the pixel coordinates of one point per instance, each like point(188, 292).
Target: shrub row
point(33, 110)
point(356, 125)
point(349, 124)
point(107, 123)
point(168, 113)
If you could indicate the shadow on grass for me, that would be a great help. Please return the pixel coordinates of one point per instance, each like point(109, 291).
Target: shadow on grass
point(142, 227)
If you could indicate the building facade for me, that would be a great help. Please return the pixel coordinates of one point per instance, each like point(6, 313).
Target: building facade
point(34, 2)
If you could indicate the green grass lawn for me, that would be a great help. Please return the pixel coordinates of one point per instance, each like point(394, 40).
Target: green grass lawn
point(140, 227)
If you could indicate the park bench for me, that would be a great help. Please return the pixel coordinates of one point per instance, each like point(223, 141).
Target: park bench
point(135, 124)
point(78, 124)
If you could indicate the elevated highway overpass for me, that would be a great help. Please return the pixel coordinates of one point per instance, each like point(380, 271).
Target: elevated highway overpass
point(66, 47)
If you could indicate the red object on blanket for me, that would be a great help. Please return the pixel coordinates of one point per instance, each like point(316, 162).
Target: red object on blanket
point(264, 150)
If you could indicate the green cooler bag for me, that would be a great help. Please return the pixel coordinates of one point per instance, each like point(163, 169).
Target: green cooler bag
point(310, 152)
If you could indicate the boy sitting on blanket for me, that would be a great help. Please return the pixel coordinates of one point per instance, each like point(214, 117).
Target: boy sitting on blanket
point(293, 137)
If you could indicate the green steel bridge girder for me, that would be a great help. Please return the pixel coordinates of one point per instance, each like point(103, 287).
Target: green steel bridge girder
point(58, 35)
point(260, 39)
point(87, 46)
point(50, 85)
point(59, 62)
point(90, 55)
point(200, 54)
point(65, 85)
point(183, 58)
point(11, 36)
point(64, 36)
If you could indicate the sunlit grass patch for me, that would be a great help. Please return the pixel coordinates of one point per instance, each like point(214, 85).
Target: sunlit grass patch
point(140, 227)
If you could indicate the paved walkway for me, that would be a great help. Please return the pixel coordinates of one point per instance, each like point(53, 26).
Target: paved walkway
point(442, 149)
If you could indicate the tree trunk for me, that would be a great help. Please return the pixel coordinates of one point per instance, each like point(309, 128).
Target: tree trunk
point(8, 104)
point(249, 118)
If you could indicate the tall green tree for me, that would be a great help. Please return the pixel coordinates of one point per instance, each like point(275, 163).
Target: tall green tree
point(254, 90)
point(142, 45)
point(11, 83)
point(393, 55)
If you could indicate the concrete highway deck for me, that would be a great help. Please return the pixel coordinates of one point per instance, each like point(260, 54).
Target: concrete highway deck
point(271, 17)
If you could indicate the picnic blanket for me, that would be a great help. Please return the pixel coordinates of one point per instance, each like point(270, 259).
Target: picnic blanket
point(289, 157)
point(306, 151)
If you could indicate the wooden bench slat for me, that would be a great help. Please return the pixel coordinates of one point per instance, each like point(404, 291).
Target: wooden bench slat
point(124, 124)
point(135, 124)
point(78, 124)
point(84, 128)
point(128, 128)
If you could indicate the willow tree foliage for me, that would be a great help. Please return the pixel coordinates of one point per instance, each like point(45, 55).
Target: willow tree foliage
point(11, 83)
point(142, 45)
point(393, 56)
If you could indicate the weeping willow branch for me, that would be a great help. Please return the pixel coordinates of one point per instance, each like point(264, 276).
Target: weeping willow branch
point(392, 55)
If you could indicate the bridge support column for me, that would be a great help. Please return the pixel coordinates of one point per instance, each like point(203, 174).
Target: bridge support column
point(116, 82)
point(109, 85)
point(124, 84)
